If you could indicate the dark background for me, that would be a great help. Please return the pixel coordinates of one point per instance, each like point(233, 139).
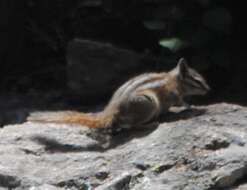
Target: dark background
point(40, 70)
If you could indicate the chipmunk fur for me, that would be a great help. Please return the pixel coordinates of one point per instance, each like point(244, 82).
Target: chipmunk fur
point(138, 101)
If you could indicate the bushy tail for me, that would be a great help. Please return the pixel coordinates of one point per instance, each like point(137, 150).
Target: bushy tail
point(92, 120)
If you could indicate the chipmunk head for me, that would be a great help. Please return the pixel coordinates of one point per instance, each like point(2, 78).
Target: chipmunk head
point(192, 83)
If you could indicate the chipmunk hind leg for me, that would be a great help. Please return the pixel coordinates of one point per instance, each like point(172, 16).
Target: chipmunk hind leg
point(139, 109)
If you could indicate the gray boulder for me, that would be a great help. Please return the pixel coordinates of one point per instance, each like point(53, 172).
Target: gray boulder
point(199, 149)
point(98, 68)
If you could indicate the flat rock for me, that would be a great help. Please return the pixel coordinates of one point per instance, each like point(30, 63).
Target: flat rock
point(199, 149)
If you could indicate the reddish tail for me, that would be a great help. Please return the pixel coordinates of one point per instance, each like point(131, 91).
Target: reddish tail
point(92, 120)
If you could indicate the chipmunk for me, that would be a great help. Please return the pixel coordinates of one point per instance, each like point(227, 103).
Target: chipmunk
point(138, 101)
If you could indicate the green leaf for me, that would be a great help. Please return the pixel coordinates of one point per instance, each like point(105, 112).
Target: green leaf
point(173, 44)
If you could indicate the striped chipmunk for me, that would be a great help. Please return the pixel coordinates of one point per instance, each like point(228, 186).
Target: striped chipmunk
point(138, 101)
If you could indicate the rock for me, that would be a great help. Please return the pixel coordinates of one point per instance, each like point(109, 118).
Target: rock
point(45, 187)
point(97, 68)
point(141, 165)
point(240, 187)
point(120, 182)
point(201, 149)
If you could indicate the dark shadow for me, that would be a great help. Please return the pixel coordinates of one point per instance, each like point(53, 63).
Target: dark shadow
point(118, 137)
point(53, 146)
point(123, 136)
point(182, 115)
point(126, 135)
point(241, 181)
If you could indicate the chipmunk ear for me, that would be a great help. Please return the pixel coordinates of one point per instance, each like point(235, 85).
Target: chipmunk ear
point(182, 67)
